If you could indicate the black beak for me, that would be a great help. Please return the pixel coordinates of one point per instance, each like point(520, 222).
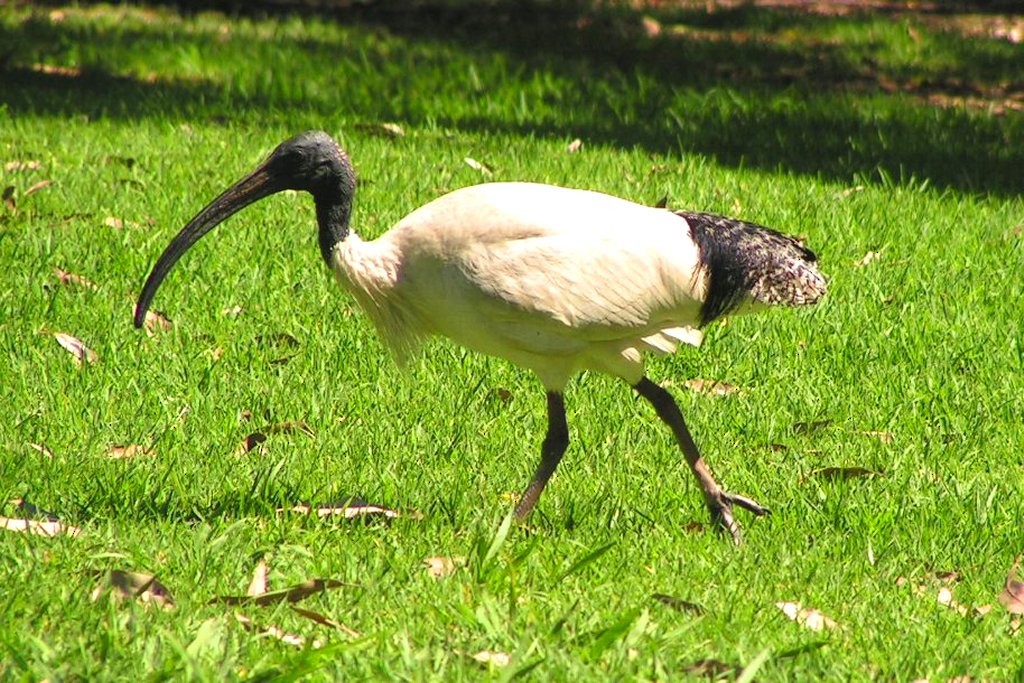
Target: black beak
point(255, 186)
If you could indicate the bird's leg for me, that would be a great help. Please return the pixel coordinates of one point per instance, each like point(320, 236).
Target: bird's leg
point(555, 443)
point(719, 502)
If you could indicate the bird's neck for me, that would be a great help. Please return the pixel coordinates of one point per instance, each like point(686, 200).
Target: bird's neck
point(333, 213)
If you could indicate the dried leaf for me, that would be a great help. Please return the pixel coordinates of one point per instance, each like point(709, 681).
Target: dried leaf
point(811, 618)
point(42, 449)
point(678, 604)
point(156, 322)
point(112, 222)
point(869, 258)
point(129, 451)
point(710, 386)
point(42, 184)
point(15, 166)
point(809, 427)
point(884, 437)
point(67, 278)
point(439, 567)
point(355, 508)
point(496, 659)
point(836, 473)
point(122, 584)
point(250, 442)
point(290, 427)
point(477, 166)
point(274, 632)
point(326, 621)
point(294, 593)
point(574, 146)
point(232, 311)
point(1012, 597)
point(384, 130)
point(258, 585)
point(40, 528)
point(52, 70)
point(76, 348)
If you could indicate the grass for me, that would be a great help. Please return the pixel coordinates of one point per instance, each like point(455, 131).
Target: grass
point(911, 367)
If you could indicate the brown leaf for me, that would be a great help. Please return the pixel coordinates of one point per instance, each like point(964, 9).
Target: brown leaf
point(574, 146)
point(42, 449)
point(134, 450)
point(352, 509)
point(294, 593)
point(496, 659)
point(47, 527)
point(258, 585)
point(439, 567)
point(274, 632)
point(884, 437)
point(678, 604)
point(76, 348)
point(809, 427)
point(67, 278)
point(250, 442)
point(290, 427)
point(42, 184)
point(477, 166)
point(836, 473)
point(326, 621)
point(122, 584)
point(232, 311)
point(52, 70)
point(15, 166)
point(503, 395)
point(113, 222)
point(1012, 597)
point(710, 386)
point(811, 618)
point(156, 322)
point(869, 258)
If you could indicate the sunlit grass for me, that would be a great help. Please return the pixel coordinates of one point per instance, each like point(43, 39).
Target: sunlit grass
point(911, 366)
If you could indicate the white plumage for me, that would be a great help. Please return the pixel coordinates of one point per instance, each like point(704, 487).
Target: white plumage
point(555, 280)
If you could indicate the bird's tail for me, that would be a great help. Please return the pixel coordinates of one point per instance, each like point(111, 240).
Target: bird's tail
point(750, 263)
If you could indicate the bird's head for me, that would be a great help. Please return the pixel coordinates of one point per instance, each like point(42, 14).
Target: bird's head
point(311, 162)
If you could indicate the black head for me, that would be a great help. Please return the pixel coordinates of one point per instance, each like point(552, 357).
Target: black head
point(312, 162)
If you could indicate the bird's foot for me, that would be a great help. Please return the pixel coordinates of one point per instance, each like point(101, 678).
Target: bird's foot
point(720, 505)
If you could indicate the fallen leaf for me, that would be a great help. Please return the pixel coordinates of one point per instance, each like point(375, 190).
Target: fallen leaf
point(836, 473)
point(52, 70)
point(156, 322)
point(884, 437)
point(809, 427)
point(355, 508)
point(76, 348)
point(258, 584)
point(477, 166)
point(710, 386)
point(811, 618)
point(39, 528)
point(254, 440)
point(232, 311)
point(15, 166)
point(574, 146)
point(274, 632)
point(326, 621)
point(130, 451)
point(439, 567)
point(497, 659)
point(290, 427)
point(869, 258)
point(1012, 597)
point(678, 604)
point(851, 191)
point(122, 584)
point(42, 449)
point(112, 222)
point(42, 184)
point(294, 593)
point(67, 278)
point(384, 130)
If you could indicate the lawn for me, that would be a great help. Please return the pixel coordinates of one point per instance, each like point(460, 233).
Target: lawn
point(883, 427)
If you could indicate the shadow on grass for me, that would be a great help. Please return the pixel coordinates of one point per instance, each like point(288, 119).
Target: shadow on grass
point(719, 84)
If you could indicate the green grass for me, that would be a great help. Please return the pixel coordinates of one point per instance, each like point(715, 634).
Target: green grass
point(156, 113)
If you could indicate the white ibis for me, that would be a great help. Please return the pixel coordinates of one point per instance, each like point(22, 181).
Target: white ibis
point(555, 280)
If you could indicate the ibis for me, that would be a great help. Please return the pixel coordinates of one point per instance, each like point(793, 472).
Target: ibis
point(555, 280)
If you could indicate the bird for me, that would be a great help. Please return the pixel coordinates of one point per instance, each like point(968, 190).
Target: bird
point(555, 280)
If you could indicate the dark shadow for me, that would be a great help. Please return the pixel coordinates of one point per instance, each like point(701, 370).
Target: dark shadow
point(721, 88)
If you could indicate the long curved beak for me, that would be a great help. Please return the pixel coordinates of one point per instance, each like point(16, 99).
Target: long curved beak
point(255, 186)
